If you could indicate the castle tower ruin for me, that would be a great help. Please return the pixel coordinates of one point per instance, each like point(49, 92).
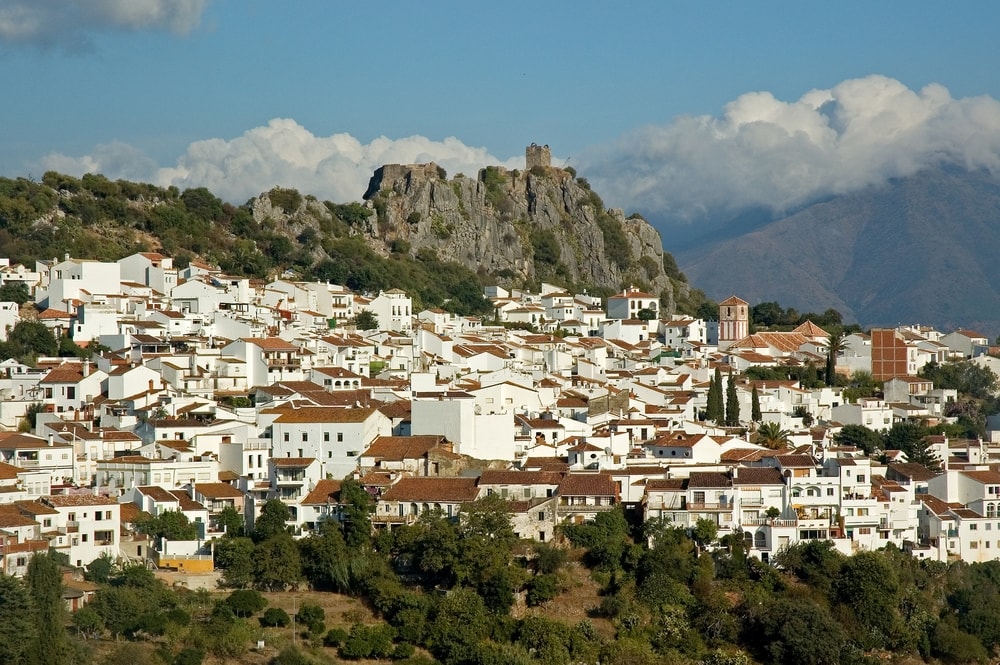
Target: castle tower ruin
point(537, 155)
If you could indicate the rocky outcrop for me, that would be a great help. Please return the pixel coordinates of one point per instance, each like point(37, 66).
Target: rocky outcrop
point(541, 224)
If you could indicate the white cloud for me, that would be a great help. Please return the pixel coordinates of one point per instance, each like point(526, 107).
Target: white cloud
point(761, 152)
point(766, 152)
point(70, 23)
point(283, 153)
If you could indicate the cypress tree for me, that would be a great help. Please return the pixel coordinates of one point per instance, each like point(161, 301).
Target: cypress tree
point(732, 403)
point(713, 408)
point(755, 414)
point(44, 581)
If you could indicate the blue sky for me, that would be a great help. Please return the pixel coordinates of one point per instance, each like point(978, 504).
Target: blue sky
point(669, 108)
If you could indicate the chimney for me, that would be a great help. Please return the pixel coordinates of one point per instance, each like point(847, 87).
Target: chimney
point(51, 439)
point(86, 368)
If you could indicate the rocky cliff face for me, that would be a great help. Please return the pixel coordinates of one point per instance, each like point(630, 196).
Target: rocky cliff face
point(518, 225)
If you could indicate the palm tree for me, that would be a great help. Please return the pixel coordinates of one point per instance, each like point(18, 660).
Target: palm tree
point(771, 435)
point(836, 344)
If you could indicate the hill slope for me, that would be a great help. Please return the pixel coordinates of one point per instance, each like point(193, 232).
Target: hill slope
point(440, 239)
point(920, 249)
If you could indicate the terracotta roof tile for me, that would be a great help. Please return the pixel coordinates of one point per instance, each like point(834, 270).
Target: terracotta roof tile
point(451, 490)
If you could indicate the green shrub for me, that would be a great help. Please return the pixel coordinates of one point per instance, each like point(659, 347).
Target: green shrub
point(245, 602)
point(275, 617)
point(288, 200)
point(495, 182)
point(542, 588)
point(334, 637)
point(413, 217)
point(312, 617)
point(368, 642)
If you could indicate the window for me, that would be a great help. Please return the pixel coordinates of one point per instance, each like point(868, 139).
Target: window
point(973, 527)
point(340, 437)
point(326, 437)
point(285, 437)
point(861, 479)
point(829, 491)
point(305, 437)
point(973, 545)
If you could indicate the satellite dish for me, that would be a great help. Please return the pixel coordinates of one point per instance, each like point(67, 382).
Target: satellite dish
point(607, 450)
point(478, 410)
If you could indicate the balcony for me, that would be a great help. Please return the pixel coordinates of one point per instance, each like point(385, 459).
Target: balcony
point(764, 521)
point(702, 506)
point(572, 508)
point(394, 519)
point(291, 479)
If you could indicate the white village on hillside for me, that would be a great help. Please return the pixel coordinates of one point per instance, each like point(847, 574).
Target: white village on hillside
point(211, 392)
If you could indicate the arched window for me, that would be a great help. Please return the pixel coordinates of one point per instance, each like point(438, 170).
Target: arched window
point(991, 510)
point(760, 540)
point(747, 539)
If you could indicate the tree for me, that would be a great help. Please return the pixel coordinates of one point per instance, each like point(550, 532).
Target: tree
point(460, 623)
point(27, 340)
point(358, 507)
point(732, 403)
point(755, 414)
point(88, 622)
point(714, 409)
point(235, 556)
point(311, 616)
point(324, 556)
point(965, 376)
point(275, 617)
point(169, 524)
point(912, 439)
point(860, 437)
point(366, 320)
point(14, 292)
point(17, 621)
point(245, 602)
point(836, 344)
point(231, 522)
point(645, 314)
point(771, 435)
point(272, 521)
point(44, 582)
point(793, 631)
point(276, 563)
point(869, 586)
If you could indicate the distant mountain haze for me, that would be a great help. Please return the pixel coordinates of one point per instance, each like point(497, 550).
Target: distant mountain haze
point(919, 249)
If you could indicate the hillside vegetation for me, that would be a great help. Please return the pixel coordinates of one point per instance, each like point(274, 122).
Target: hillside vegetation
point(391, 241)
point(470, 593)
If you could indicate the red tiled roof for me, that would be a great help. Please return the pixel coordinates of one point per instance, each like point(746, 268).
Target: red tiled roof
point(326, 491)
point(217, 491)
point(588, 484)
point(450, 490)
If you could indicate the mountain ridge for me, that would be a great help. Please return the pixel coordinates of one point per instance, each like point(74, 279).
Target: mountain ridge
point(919, 249)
